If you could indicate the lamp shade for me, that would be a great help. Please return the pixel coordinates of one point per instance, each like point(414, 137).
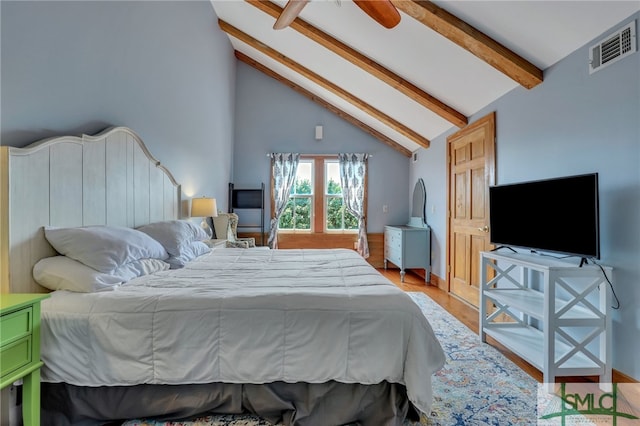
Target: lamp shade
point(204, 207)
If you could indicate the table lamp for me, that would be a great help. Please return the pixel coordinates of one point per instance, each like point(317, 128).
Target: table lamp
point(204, 207)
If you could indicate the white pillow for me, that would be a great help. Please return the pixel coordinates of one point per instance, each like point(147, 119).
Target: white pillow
point(181, 238)
point(64, 273)
point(188, 252)
point(104, 248)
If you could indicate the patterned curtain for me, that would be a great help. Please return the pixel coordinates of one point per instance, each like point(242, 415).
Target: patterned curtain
point(283, 176)
point(353, 172)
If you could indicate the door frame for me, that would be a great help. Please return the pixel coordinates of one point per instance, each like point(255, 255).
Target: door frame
point(490, 168)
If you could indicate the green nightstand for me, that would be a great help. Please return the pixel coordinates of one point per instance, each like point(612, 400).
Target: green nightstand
point(20, 349)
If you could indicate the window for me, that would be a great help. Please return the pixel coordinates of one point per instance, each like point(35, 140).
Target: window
point(297, 213)
point(316, 204)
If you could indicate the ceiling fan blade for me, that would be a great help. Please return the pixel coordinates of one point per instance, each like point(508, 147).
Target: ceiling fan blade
point(289, 13)
point(382, 11)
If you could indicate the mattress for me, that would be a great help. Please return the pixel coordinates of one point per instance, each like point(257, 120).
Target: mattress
point(244, 316)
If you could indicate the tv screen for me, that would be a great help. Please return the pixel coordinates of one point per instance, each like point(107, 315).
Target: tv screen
point(557, 215)
point(246, 199)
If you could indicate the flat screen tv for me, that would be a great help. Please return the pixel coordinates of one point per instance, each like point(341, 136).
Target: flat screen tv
point(558, 215)
point(246, 199)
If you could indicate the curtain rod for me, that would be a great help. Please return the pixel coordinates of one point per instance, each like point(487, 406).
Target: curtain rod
point(316, 155)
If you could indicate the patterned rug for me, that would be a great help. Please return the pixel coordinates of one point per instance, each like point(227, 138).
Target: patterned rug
point(477, 386)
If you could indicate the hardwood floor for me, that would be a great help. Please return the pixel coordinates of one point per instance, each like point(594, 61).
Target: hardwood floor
point(469, 316)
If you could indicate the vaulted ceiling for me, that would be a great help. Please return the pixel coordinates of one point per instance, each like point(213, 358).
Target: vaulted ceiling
point(442, 63)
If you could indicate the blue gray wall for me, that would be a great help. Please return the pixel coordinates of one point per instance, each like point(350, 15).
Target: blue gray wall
point(570, 124)
point(162, 68)
point(270, 117)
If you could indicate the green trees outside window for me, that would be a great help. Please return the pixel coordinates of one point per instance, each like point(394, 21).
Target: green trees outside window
point(297, 213)
point(336, 214)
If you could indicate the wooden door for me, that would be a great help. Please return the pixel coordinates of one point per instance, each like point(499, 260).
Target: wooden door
point(471, 163)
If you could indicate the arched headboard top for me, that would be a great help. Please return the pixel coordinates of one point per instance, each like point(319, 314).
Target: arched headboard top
point(100, 137)
point(109, 178)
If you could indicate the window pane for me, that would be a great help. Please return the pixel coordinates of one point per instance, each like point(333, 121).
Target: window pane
point(350, 221)
point(337, 218)
point(332, 178)
point(334, 213)
point(303, 213)
point(304, 178)
point(286, 220)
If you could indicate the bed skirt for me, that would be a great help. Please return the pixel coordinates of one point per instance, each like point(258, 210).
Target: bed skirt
point(295, 404)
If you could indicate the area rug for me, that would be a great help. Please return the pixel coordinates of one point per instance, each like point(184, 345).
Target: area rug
point(477, 386)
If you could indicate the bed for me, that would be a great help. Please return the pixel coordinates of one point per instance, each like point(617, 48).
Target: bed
point(303, 337)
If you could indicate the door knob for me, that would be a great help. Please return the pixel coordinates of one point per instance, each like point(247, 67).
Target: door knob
point(484, 229)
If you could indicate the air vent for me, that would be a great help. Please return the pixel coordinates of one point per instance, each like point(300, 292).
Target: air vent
point(613, 48)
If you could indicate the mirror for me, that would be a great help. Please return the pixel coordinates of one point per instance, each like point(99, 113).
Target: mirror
point(419, 203)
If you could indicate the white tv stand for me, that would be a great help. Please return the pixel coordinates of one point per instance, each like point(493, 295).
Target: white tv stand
point(571, 305)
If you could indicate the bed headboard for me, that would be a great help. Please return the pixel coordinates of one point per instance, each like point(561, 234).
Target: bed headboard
point(106, 179)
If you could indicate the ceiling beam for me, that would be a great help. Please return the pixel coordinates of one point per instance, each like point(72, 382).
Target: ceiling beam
point(324, 83)
point(358, 59)
point(473, 40)
point(337, 111)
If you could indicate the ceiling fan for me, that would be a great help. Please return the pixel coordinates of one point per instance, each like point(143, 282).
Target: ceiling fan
point(382, 11)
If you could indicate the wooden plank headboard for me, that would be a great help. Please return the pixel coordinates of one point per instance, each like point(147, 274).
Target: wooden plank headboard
point(106, 179)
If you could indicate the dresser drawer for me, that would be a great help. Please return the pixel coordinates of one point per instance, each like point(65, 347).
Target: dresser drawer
point(392, 238)
point(15, 325)
point(15, 355)
point(393, 245)
point(394, 256)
